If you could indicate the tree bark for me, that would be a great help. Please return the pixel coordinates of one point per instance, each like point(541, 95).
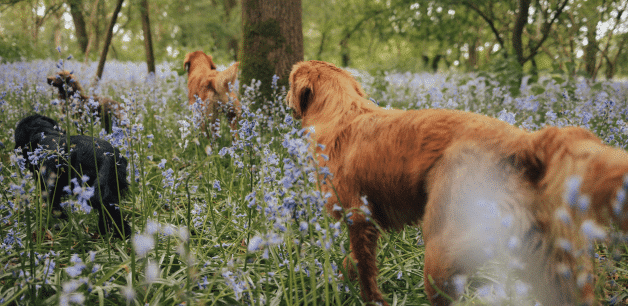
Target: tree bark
point(521, 20)
point(590, 51)
point(105, 49)
point(148, 40)
point(472, 63)
point(232, 44)
point(93, 36)
point(76, 10)
point(272, 41)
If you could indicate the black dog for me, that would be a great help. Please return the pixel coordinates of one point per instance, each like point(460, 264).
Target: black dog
point(94, 158)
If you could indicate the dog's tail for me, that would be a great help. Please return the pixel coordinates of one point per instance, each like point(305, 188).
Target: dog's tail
point(598, 174)
point(482, 234)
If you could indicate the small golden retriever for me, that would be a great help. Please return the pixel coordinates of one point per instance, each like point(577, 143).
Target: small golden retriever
point(417, 165)
point(212, 88)
point(72, 95)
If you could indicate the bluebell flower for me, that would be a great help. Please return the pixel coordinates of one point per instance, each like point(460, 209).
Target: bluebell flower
point(507, 116)
point(592, 231)
point(152, 272)
point(75, 270)
point(143, 244)
point(572, 190)
point(128, 292)
point(563, 215)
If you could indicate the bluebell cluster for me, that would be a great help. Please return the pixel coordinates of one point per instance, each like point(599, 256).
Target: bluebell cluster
point(270, 197)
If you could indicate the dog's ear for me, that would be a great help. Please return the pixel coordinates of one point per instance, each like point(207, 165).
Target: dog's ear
point(225, 77)
point(51, 79)
point(210, 61)
point(186, 62)
point(302, 91)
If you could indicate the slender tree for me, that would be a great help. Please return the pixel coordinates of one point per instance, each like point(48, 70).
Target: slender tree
point(105, 49)
point(272, 41)
point(148, 40)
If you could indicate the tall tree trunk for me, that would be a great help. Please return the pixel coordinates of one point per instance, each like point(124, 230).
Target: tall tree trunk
point(590, 51)
point(472, 63)
point(610, 70)
point(232, 44)
point(437, 59)
point(345, 56)
point(94, 33)
point(57, 29)
point(76, 10)
point(105, 49)
point(148, 40)
point(272, 41)
point(521, 20)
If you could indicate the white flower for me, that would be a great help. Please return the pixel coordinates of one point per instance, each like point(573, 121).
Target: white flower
point(143, 244)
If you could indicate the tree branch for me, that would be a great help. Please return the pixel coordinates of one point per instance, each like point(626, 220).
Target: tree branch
point(546, 29)
point(488, 20)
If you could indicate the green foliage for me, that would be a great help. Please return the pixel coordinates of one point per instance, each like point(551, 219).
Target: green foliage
point(507, 71)
point(13, 49)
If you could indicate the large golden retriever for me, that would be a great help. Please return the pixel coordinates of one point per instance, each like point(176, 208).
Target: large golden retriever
point(212, 88)
point(408, 166)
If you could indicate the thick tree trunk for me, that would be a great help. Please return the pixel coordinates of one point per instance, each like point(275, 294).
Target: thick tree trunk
point(105, 49)
point(148, 40)
point(76, 10)
point(272, 41)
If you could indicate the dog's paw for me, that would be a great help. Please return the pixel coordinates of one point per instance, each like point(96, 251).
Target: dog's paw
point(350, 269)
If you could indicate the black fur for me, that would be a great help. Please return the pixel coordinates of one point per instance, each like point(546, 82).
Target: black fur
point(90, 156)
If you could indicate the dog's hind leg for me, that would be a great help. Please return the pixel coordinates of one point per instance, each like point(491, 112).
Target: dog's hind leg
point(438, 272)
point(363, 237)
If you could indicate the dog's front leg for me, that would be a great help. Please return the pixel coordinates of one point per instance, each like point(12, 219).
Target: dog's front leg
point(363, 236)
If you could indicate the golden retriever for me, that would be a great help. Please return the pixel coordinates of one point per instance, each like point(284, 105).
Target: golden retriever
point(72, 95)
point(212, 88)
point(401, 162)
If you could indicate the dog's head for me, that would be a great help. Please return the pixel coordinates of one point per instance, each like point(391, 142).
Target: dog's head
point(312, 82)
point(27, 129)
point(198, 59)
point(65, 82)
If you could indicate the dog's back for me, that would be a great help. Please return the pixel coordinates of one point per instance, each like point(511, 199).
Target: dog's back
point(211, 87)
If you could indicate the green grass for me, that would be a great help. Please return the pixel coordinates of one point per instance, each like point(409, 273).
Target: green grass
point(244, 242)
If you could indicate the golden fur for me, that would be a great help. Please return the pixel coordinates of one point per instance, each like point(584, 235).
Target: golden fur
point(72, 95)
point(212, 87)
point(393, 158)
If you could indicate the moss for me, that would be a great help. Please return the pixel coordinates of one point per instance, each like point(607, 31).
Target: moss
point(262, 38)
